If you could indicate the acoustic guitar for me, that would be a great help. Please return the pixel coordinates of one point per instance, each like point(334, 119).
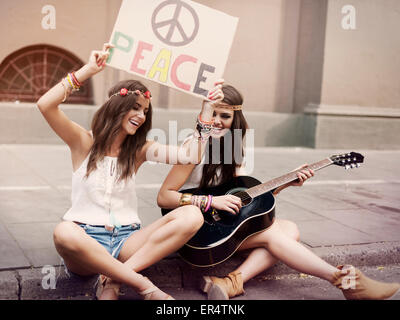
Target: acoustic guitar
point(222, 232)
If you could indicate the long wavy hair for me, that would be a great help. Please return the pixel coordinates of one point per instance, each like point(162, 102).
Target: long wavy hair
point(222, 172)
point(107, 123)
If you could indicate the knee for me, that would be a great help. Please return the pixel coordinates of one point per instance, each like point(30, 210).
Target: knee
point(191, 219)
point(64, 236)
point(293, 231)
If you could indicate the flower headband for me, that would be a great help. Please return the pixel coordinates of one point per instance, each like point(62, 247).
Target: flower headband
point(124, 92)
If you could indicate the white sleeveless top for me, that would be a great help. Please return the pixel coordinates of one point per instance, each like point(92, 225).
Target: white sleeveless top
point(100, 199)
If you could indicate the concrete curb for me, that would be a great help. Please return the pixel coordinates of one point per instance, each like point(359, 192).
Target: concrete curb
point(172, 272)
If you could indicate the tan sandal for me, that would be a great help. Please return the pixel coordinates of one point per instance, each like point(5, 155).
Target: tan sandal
point(105, 283)
point(147, 294)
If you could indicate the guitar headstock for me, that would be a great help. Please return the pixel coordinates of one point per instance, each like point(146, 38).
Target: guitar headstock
point(348, 160)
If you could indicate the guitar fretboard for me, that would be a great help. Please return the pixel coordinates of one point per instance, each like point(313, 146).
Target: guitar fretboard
point(280, 181)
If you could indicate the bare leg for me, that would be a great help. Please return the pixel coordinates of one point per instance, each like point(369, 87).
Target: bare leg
point(84, 255)
point(290, 252)
point(163, 237)
point(260, 259)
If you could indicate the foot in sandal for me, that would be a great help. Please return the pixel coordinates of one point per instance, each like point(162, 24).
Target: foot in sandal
point(107, 289)
point(154, 293)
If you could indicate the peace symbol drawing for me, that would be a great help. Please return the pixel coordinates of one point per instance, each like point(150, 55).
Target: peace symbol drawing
point(182, 26)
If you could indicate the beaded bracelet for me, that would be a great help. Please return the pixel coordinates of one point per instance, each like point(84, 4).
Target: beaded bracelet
point(74, 85)
point(75, 80)
point(204, 126)
point(65, 90)
point(203, 130)
point(70, 83)
point(195, 201)
point(203, 203)
point(202, 137)
point(208, 203)
point(199, 201)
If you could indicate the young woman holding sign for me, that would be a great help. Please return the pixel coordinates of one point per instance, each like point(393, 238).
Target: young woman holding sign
point(101, 233)
point(279, 241)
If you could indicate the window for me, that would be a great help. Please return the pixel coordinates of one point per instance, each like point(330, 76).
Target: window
point(28, 73)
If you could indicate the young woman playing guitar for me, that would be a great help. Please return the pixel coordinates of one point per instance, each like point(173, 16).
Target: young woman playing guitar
point(279, 242)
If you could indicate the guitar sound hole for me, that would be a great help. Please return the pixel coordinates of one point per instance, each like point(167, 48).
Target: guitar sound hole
point(244, 196)
point(246, 202)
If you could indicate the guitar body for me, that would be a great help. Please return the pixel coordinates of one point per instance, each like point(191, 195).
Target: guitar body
point(216, 241)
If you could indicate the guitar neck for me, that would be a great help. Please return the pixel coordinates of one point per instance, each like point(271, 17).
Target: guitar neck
point(280, 181)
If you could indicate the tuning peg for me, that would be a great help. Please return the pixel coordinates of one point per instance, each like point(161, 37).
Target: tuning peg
point(347, 167)
point(353, 165)
point(358, 165)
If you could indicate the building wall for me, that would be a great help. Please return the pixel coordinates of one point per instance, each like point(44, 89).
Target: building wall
point(310, 53)
point(261, 64)
point(77, 30)
point(288, 57)
point(263, 55)
point(362, 66)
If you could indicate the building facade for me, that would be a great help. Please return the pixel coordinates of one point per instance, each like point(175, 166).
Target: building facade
point(316, 73)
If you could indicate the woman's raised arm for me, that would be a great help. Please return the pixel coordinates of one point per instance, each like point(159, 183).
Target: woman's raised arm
point(75, 136)
point(192, 150)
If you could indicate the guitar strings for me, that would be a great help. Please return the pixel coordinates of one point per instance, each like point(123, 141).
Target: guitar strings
point(315, 166)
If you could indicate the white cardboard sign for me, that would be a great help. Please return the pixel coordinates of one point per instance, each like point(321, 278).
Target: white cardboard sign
point(178, 43)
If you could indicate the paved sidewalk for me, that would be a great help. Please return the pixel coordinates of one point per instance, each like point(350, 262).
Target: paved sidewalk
point(344, 216)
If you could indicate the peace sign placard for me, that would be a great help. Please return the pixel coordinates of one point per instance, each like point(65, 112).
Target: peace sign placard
point(178, 43)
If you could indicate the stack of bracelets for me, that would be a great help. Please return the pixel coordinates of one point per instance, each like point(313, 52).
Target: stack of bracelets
point(203, 129)
point(70, 83)
point(203, 202)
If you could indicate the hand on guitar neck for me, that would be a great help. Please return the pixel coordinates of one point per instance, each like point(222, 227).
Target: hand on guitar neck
point(303, 172)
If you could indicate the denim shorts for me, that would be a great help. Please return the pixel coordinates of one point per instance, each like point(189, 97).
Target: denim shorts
point(111, 240)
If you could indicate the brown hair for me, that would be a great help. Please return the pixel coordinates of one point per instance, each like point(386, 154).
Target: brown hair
point(106, 125)
point(210, 170)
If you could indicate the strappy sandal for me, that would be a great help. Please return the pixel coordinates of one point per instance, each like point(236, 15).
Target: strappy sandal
point(147, 294)
point(104, 283)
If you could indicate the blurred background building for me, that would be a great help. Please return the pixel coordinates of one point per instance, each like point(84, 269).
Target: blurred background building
point(315, 73)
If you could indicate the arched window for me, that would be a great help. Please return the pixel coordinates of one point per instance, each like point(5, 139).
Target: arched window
point(28, 73)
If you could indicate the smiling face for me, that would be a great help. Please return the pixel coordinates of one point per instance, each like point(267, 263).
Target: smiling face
point(137, 116)
point(223, 118)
